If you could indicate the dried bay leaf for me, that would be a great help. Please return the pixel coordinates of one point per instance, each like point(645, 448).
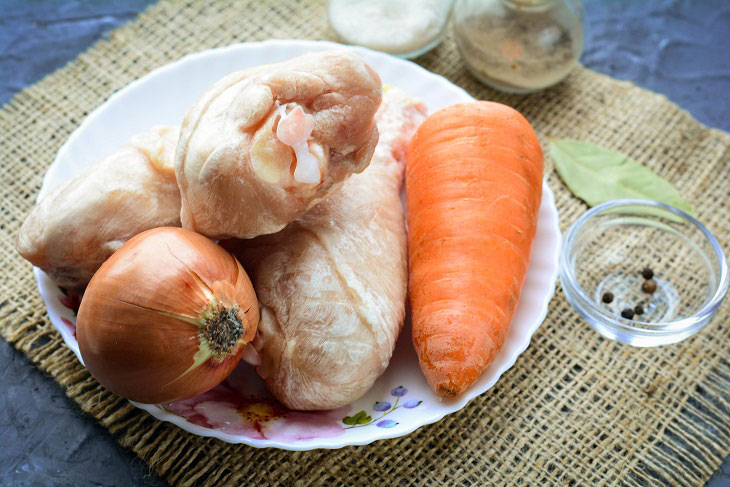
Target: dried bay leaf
point(597, 175)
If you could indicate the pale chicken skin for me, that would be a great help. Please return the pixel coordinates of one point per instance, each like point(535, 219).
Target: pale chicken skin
point(332, 285)
point(264, 145)
point(81, 223)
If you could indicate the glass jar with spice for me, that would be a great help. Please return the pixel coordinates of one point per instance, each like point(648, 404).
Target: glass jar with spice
point(519, 46)
point(405, 28)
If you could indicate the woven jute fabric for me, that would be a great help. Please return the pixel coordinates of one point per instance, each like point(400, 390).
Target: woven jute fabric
point(576, 409)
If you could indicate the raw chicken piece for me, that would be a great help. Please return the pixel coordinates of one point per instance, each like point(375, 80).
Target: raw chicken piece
point(264, 145)
point(332, 285)
point(76, 227)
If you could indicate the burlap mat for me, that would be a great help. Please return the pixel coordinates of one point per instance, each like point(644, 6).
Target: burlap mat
point(576, 409)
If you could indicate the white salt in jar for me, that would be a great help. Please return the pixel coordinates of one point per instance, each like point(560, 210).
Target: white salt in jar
point(405, 28)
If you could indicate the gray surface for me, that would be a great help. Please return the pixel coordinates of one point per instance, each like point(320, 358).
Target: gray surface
point(47, 440)
point(678, 48)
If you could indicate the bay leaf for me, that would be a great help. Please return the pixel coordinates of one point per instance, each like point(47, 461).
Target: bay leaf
point(597, 175)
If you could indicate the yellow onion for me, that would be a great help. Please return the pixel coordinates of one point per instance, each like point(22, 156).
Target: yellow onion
point(166, 317)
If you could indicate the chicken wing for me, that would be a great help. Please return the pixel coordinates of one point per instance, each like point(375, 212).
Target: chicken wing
point(264, 145)
point(76, 227)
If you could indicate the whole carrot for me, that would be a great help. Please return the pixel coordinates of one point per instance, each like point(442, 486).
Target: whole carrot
point(473, 188)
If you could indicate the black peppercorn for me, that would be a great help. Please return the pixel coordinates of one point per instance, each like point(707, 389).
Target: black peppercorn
point(607, 297)
point(628, 313)
point(649, 286)
point(639, 310)
point(647, 273)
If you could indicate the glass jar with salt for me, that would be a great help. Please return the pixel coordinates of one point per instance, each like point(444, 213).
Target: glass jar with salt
point(405, 28)
point(519, 46)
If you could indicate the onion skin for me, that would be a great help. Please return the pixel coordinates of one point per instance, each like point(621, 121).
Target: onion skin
point(159, 320)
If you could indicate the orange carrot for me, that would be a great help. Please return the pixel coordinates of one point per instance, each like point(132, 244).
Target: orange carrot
point(473, 187)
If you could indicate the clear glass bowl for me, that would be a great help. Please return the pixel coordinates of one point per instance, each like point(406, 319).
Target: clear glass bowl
point(606, 250)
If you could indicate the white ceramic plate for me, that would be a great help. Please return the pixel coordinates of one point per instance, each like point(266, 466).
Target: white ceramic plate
point(240, 410)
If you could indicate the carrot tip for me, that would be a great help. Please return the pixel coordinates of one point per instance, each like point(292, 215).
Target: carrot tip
point(446, 392)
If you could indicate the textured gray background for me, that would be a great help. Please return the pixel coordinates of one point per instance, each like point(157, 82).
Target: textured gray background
point(678, 48)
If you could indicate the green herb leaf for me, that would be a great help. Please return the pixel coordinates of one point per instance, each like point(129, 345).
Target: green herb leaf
point(365, 420)
point(349, 420)
point(597, 175)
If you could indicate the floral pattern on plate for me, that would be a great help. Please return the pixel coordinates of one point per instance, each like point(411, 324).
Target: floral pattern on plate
point(227, 410)
point(361, 418)
point(69, 299)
